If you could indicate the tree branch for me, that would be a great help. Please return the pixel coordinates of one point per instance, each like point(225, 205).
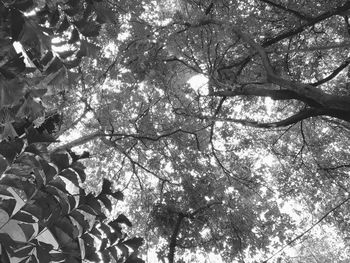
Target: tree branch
point(296, 13)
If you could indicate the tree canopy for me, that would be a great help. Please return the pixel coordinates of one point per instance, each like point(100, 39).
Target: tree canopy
point(223, 124)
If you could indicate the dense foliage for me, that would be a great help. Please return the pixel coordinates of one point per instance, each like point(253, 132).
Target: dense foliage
point(226, 123)
point(45, 215)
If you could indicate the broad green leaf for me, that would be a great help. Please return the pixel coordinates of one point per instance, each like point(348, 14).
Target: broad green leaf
point(30, 109)
point(11, 91)
point(34, 136)
point(71, 176)
point(74, 36)
point(29, 230)
point(134, 243)
point(14, 231)
point(7, 205)
point(22, 252)
point(4, 217)
point(117, 195)
point(79, 168)
point(105, 200)
point(61, 160)
point(124, 220)
point(10, 149)
point(22, 216)
point(63, 26)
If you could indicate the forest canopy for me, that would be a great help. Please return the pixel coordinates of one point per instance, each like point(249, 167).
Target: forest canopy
point(174, 131)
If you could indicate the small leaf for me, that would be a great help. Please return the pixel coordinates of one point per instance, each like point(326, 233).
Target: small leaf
point(74, 36)
point(54, 66)
point(22, 251)
point(106, 186)
point(79, 168)
point(118, 195)
point(123, 220)
point(24, 217)
point(63, 26)
point(71, 176)
point(11, 91)
point(3, 165)
point(47, 58)
point(54, 17)
point(134, 243)
point(105, 200)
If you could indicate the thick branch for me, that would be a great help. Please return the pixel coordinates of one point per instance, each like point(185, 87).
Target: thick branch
point(309, 92)
point(302, 115)
point(264, 92)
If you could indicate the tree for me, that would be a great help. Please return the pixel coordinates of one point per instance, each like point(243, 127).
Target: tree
point(211, 168)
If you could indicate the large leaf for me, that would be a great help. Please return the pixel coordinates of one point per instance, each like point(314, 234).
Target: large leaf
point(10, 149)
point(71, 176)
point(34, 136)
point(10, 92)
point(61, 160)
point(25, 217)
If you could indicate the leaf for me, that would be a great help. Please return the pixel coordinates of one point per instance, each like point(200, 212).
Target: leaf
point(6, 239)
point(8, 132)
point(54, 17)
point(10, 149)
point(3, 165)
point(63, 200)
point(23, 5)
point(48, 169)
point(13, 67)
point(124, 220)
point(28, 230)
point(30, 109)
point(118, 195)
point(79, 168)
point(54, 66)
point(22, 216)
point(14, 231)
point(61, 160)
point(88, 28)
point(10, 92)
point(105, 200)
point(74, 36)
point(106, 186)
point(47, 58)
point(4, 217)
point(134, 243)
point(33, 209)
point(63, 26)
point(80, 219)
point(66, 54)
point(17, 23)
point(22, 251)
point(88, 49)
point(33, 136)
point(66, 226)
point(71, 176)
